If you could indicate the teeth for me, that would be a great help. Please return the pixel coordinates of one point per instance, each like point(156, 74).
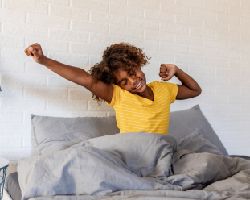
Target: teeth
point(138, 85)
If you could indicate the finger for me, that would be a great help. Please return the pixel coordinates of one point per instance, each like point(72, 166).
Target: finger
point(32, 51)
point(169, 76)
point(35, 53)
point(27, 52)
point(163, 74)
point(36, 45)
point(166, 78)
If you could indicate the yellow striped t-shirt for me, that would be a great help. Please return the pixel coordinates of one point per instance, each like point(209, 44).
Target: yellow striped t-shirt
point(137, 114)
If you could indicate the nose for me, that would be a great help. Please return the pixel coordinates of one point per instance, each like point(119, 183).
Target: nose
point(132, 80)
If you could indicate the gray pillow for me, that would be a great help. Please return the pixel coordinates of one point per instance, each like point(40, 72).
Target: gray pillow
point(185, 122)
point(59, 133)
point(63, 132)
point(196, 143)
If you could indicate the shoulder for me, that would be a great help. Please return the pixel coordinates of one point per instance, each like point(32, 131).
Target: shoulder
point(162, 84)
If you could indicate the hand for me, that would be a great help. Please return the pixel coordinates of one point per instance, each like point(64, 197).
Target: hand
point(35, 50)
point(167, 71)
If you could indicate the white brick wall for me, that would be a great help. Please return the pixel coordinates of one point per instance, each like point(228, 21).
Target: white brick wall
point(207, 38)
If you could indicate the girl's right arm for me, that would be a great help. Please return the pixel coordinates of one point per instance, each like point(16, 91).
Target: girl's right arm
point(71, 73)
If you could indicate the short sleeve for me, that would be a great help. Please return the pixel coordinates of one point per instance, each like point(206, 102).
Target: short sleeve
point(116, 96)
point(173, 90)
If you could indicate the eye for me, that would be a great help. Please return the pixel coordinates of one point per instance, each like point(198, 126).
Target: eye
point(132, 73)
point(124, 82)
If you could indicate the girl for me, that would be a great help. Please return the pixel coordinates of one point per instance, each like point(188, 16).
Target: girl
point(118, 80)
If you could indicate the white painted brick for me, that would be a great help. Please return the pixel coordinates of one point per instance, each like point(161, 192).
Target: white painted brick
point(152, 34)
point(7, 41)
point(154, 5)
point(14, 16)
point(70, 36)
point(245, 8)
point(61, 11)
point(91, 5)
point(10, 86)
point(15, 153)
point(24, 30)
point(65, 105)
point(208, 39)
point(232, 21)
point(121, 9)
point(28, 79)
point(81, 25)
point(79, 60)
point(190, 3)
point(55, 80)
point(170, 8)
point(185, 20)
point(141, 22)
point(35, 68)
point(11, 117)
point(80, 94)
point(206, 15)
point(79, 13)
point(107, 18)
point(45, 93)
point(72, 113)
point(9, 65)
point(88, 49)
point(20, 104)
point(150, 46)
point(100, 106)
point(101, 40)
point(9, 52)
point(61, 2)
point(212, 5)
point(58, 46)
point(173, 29)
point(69, 12)
point(48, 21)
point(173, 47)
point(121, 2)
point(160, 16)
point(11, 128)
point(10, 141)
point(27, 6)
point(134, 32)
point(94, 59)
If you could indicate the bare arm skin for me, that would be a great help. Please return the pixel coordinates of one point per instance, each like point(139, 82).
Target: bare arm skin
point(189, 88)
point(71, 73)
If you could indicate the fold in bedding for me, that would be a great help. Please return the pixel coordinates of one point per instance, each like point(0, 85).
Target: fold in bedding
point(132, 166)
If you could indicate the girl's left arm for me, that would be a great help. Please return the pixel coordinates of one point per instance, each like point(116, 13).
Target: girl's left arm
point(189, 88)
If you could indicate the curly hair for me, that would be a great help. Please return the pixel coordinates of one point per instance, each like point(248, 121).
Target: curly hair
point(118, 56)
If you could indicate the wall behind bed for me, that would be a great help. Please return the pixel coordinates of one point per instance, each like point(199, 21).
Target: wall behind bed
point(207, 38)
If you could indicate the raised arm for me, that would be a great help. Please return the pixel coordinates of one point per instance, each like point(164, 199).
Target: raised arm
point(189, 88)
point(71, 73)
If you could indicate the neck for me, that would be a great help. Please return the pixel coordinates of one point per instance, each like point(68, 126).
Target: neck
point(147, 93)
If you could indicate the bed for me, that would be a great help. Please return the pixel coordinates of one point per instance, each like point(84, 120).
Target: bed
point(189, 163)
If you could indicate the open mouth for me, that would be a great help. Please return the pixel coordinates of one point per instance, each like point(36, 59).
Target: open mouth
point(139, 85)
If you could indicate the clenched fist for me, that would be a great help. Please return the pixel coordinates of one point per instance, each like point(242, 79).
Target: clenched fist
point(36, 52)
point(167, 71)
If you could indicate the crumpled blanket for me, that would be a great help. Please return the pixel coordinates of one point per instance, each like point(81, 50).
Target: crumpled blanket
point(110, 163)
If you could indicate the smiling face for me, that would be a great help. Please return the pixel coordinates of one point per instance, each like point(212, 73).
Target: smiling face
point(133, 82)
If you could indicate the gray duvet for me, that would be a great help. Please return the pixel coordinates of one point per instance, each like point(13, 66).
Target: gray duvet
point(132, 166)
